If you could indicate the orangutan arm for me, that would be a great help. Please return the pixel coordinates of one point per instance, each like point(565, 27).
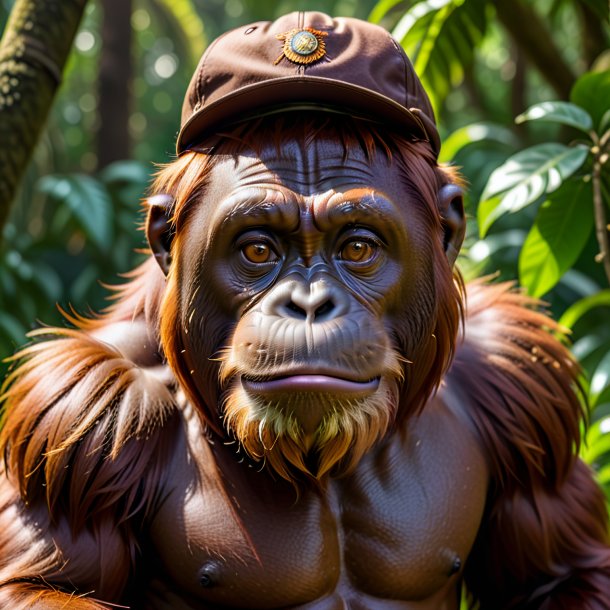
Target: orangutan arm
point(34, 573)
point(544, 549)
point(543, 544)
point(85, 434)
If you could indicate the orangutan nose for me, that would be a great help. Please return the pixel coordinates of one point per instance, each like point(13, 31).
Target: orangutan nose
point(296, 311)
point(315, 302)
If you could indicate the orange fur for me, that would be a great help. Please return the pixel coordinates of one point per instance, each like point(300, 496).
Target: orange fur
point(84, 435)
point(544, 540)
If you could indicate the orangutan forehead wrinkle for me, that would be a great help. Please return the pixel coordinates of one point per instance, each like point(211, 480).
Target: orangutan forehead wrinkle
point(301, 189)
point(264, 204)
point(290, 211)
point(305, 170)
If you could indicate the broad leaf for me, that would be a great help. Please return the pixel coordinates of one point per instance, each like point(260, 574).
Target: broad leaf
point(84, 283)
point(557, 238)
point(604, 123)
point(440, 36)
point(13, 329)
point(600, 7)
point(88, 201)
point(126, 181)
point(525, 177)
point(580, 308)
point(8, 285)
point(600, 379)
point(126, 171)
point(471, 134)
point(48, 280)
point(588, 346)
point(381, 9)
point(558, 112)
point(592, 92)
point(597, 441)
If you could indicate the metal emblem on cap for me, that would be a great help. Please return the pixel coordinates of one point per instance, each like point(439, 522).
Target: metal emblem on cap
point(302, 45)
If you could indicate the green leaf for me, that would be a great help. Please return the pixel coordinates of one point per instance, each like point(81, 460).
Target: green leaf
point(440, 36)
point(603, 476)
point(381, 9)
point(597, 441)
point(471, 134)
point(525, 177)
point(600, 7)
point(592, 92)
point(558, 236)
point(48, 280)
point(587, 346)
point(558, 112)
point(604, 123)
point(581, 307)
point(87, 199)
point(124, 172)
point(8, 285)
point(603, 401)
point(83, 284)
point(12, 328)
point(126, 181)
point(600, 379)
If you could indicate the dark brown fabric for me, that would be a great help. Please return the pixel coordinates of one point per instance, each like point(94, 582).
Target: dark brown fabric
point(363, 71)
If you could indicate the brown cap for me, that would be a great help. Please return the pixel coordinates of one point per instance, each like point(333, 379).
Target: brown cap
point(305, 60)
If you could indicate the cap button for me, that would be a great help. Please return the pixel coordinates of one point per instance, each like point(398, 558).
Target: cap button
point(304, 43)
point(302, 46)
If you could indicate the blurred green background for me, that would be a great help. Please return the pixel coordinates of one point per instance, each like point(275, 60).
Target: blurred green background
point(538, 219)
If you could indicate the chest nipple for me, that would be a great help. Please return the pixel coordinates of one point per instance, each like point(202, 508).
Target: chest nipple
point(210, 574)
point(456, 566)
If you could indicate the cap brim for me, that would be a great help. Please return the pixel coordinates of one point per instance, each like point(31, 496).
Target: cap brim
point(304, 90)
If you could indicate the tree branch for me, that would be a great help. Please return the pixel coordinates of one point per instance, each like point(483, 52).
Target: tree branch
point(33, 52)
point(594, 40)
point(531, 34)
point(602, 229)
point(113, 141)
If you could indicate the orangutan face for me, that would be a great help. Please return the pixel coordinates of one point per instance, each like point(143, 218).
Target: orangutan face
point(305, 290)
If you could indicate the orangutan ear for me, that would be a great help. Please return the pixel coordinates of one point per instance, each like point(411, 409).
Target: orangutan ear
point(451, 207)
point(159, 230)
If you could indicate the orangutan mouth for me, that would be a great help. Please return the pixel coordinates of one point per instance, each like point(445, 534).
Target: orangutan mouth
point(308, 382)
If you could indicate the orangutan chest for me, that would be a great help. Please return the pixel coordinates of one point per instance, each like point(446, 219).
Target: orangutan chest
point(399, 528)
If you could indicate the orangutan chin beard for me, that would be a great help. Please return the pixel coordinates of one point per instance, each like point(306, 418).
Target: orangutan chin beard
point(277, 432)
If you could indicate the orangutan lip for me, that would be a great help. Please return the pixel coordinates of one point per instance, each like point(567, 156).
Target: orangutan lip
point(311, 383)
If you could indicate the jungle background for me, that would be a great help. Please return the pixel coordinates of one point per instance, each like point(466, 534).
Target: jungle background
point(521, 91)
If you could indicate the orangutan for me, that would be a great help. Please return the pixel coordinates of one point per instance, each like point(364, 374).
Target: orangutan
point(295, 402)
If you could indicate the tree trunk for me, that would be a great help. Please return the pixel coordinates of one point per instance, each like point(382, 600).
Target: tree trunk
point(594, 40)
point(33, 52)
point(531, 34)
point(113, 142)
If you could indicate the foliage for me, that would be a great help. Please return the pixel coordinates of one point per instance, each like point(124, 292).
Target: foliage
point(439, 36)
point(563, 176)
point(39, 267)
point(569, 184)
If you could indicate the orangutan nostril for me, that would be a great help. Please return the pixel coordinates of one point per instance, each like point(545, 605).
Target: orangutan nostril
point(295, 309)
point(324, 309)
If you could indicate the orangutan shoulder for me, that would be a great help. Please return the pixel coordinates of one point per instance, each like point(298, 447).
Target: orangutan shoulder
point(87, 420)
point(133, 339)
point(518, 383)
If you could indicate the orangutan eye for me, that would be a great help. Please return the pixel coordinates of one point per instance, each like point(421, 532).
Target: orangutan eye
point(258, 252)
point(358, 251)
